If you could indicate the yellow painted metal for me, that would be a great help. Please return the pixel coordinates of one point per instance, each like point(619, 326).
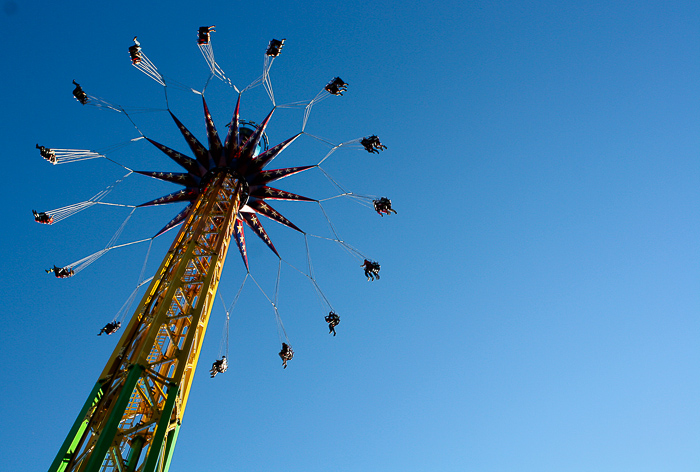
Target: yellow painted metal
point(164, 338)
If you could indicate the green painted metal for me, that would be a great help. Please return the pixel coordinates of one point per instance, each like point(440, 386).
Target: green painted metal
point(117, 460)
point(75, 434)
point(170, 446)
point(162, 428)
point(97, 456)
point(135, 453)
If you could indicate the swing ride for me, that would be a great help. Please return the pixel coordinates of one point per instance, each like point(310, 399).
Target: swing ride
point(131, 419)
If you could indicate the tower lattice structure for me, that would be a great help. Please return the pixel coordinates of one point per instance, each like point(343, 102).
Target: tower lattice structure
point(131, 419)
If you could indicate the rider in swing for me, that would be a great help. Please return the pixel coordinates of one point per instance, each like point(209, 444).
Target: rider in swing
point(333, 320)
point(371, 270)
point(110, 328)
point(219, 367)
point(286, 354)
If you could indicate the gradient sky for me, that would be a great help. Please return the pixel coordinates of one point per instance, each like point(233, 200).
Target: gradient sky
point(538, 306)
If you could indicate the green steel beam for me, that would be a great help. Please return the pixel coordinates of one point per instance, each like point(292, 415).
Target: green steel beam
point(162, 428)
point(170, 446)
point(135, 453)
point(76, 433)
point(97, 456)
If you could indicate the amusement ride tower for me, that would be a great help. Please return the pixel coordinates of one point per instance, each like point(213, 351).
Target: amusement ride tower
point(137, 405)
point(131, 419)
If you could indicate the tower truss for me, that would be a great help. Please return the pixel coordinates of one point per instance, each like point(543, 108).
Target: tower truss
point(131, 419)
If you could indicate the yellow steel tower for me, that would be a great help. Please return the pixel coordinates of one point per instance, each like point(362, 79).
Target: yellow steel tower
point(131, 419)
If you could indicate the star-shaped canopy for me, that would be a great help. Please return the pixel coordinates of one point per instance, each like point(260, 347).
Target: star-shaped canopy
point(239, 154)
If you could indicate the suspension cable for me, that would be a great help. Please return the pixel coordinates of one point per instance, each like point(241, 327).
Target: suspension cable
point(224, 344)
point(267, 83)
point(81, 264)
point(281, 332)
point(146, 66)
point(208, 52)
point(322, 95)
point(129, 301)
point(64, 212)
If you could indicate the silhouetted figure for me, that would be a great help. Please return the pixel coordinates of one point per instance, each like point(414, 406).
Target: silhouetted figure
point(61, 272)
point(372, 144)
point(333, 320)
point(371, 269)
point(274, 47)
point(43, 217)
point(383, 206)
point(47, 154)
point(110, 328)
point(204, 34)
point(135, 52)
point(286, 354)
point(336, 86)
point(79, 93)
point(219, 367)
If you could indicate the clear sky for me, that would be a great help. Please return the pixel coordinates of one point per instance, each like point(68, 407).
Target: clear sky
point(538, 306)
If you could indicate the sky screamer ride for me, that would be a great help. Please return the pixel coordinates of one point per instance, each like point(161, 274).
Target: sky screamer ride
point(132, 416)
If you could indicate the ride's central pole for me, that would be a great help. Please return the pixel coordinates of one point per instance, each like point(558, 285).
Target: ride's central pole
point(132, 416)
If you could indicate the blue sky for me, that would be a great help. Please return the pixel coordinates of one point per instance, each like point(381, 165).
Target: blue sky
point(538, 304)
